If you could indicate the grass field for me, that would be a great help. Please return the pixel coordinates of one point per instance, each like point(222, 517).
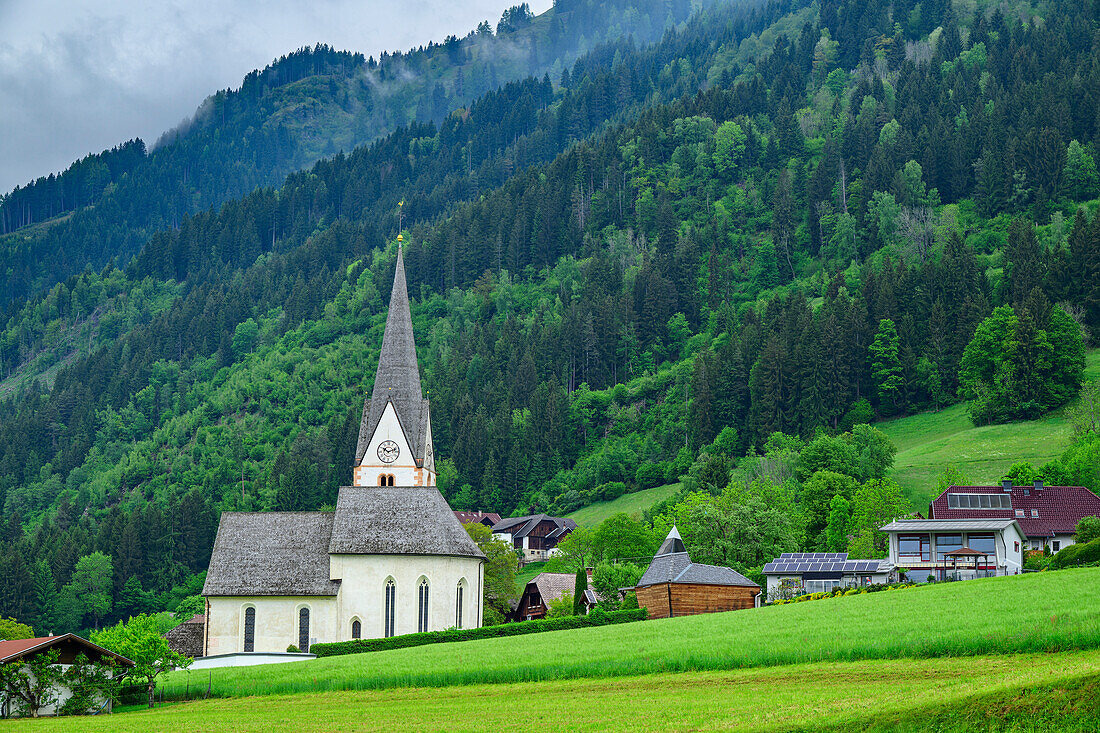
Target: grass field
point(929, 442)
point(633, 504)
point(1024, 692)
point(1045, 612)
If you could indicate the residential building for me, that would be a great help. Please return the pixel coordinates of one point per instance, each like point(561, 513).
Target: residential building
point(534, 536)
point(794, 574)
point(68, 647)
point(486, 518)
point(955, 549)
point(673, 585)
point(1048, 515)
point(187, 638)
point(391, 559)
point(534, 602)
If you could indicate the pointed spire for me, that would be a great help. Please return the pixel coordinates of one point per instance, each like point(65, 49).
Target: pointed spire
point(672, 543)
point(397, 378)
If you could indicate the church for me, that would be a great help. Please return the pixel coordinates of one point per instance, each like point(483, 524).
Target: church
point(391, 559)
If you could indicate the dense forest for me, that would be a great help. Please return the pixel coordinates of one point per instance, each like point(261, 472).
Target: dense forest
point(715, 257)
point(306, 105)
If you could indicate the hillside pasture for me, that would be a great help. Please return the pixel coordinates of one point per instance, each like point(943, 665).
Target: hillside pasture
point(902, 694)
point(1042, 612)
point(633, 504)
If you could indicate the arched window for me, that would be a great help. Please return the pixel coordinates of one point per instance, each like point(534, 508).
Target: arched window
point(391, 602)
point(422, 606)
point(458, 603)
point(391, 479)
point(303, 629)
point(356, 629)
point(385, 479)
point(250, 629)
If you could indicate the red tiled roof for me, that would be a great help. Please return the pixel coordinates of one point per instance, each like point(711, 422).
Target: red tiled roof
point(471, 517)
point(1060, 508)
point(14, 649)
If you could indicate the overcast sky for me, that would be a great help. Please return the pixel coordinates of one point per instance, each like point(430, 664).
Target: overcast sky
point(79, 76)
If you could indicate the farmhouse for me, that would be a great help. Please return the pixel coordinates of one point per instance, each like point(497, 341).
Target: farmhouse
point(391, 559)
point(486, 518)
point(535, 600)
point(535, 536)
point(673, 585)
point(798, 573)
point(956, 549)
point(68, 648)
point(1048, 515)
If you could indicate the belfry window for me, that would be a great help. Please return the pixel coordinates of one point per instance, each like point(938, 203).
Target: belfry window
point(391, 601)
point(250, 629)
point(303, 630)
point(422, 608)
point(386, 479)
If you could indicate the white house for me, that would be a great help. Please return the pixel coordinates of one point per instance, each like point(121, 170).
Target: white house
point(391, 559)
point(956, 548)
point(798, 573)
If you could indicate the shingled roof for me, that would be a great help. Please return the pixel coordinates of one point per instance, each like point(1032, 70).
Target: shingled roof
point(397, 379)
point(1047, 510)
point(271, 554)
point(522, 526)
point(672, 564)
point(397, 520)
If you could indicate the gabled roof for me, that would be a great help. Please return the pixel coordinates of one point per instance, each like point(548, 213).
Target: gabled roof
point(478, 517)
point(271, 554)
point(19, 648)
point(397, 520)
point(1059, 508)
point(522, 526)
point(397, 378)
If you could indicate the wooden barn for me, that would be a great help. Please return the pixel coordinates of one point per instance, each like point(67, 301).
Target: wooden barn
point(673, 585)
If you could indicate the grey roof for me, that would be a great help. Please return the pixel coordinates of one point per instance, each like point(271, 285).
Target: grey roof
point(397, 520)
point(677, 567)
point(271, 554)
point(397, 379)
point(673, 543)
point(522, 526)
point(553, 586)
point(947, 525)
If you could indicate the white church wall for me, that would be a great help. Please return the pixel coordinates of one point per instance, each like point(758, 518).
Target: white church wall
point(404, 469)
point(276, 622)
point(362, 592)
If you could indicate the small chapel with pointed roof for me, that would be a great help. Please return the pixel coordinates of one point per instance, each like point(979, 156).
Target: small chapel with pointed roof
point(391, 559)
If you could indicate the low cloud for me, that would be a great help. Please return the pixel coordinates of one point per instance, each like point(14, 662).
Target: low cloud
point(78, 77)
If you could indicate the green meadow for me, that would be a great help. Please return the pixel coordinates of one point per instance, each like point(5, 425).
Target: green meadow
point(633, 504)
point(1042, 612)
point(929, 442)
point(1020, 692)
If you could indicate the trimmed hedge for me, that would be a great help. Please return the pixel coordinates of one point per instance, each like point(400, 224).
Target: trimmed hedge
point(1078, 554)
point(596, 618)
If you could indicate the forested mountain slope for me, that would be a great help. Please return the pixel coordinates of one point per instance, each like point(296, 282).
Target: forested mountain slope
point(305, 105)
point(733, 235)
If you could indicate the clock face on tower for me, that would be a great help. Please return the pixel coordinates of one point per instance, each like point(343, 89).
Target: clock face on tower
point(388, 452)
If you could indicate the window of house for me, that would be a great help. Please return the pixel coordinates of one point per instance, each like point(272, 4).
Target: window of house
point(946, 543)
point(985, 542)
point(303, 629)
point(422, 606)
point(250, 629)
point(1055, 545)
point(391, 602)
point(458, 606)
point(356, 629)
point(913, 548)
point(1034, 513)
point(820, 586)
point(1019, 513)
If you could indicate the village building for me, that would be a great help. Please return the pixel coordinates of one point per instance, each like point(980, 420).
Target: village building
point(955, 549)
point(1047, 515)
point(534, 536)
point(68, 648)
point(534, 602)
point(486, 518)
point(799, 573)
point(391, 559)
point(673, 585)
point(187, 638)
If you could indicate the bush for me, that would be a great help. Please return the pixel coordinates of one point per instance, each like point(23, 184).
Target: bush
point(1080, 554)
point(293, 649)
point(650, 475)
point(1088, 529)
point(596, 618)
point(610, 490)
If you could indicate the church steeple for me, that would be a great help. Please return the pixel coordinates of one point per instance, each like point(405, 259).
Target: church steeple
point(397, 383)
